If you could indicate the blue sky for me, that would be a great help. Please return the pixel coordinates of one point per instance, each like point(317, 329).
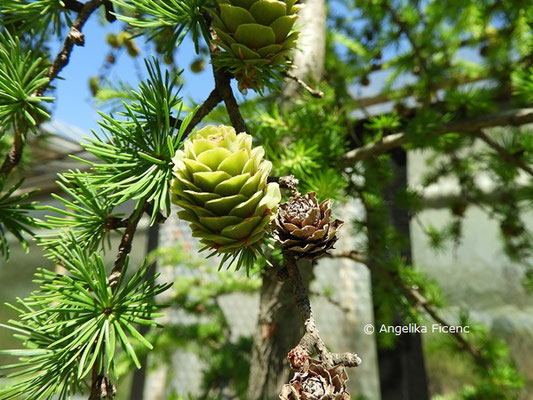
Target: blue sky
point(74, 104)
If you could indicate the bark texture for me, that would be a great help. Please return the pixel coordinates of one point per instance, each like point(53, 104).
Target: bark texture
point(278, 328)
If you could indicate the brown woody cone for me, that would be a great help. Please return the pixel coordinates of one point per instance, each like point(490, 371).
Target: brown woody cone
point(317, 383)
point(304, 227)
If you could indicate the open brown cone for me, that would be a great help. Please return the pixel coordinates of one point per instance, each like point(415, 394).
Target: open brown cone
point(304, 226)
point(317, 383)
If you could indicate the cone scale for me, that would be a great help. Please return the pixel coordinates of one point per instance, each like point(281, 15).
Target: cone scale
point(305, 228)
point(255, 38)
point(317, 383)
point(220, 182)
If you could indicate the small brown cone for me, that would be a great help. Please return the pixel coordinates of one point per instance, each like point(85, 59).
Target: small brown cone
point(317, 383)
point(304, 226)
point(298, 358)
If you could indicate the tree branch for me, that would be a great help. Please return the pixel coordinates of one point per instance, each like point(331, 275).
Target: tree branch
point(73, 5)
point(95, 392)
point(515, 117)
point(402, 25)
point(330, 300)
point(363, 102)
point(417, 298)
point(468, 41)
point(314, 92)
point(149, 209)
point(101, 387)
point(207, 106)
point(489, 193)
point(12, 158)
point(211, 102)
point(125, 247)
point(109, 11)
point(113, 223)
point(300, 292)
point(74, 37)
point(503, 152)
point(407, 90)
point(223, 87)
point(311, 339)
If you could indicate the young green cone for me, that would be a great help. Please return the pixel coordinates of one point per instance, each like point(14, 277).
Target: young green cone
point(221, 184)
point(255, 38)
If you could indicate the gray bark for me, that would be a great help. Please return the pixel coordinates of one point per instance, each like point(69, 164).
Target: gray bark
point(278, 327)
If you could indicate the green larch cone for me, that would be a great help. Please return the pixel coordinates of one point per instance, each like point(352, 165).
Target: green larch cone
point(221, 185)
point(255, 38)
